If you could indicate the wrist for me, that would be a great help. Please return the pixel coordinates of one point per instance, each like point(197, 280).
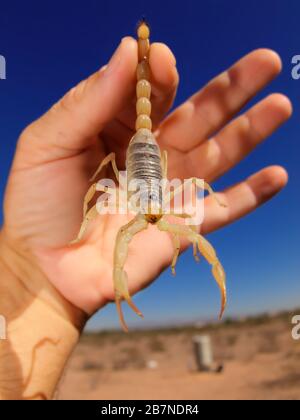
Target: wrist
point(30, 283)
point(42, 328)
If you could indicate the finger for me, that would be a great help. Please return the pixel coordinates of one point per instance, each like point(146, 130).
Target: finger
point(72, 123)
point(210, 108)
point(239, 138)
point(243, 198)
point(164, 82)
point(164, 79)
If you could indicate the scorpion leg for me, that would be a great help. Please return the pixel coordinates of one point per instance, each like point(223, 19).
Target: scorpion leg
point(208, 188)
point(91, 192)
point(124, 236)
point(92, 213)
point(200, 184)
point(195, 247)
point(176, 242)
point(205, 249)
point(88, 197)
point(109, 158)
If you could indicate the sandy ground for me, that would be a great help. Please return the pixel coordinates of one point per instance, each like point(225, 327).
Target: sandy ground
point(261, 361)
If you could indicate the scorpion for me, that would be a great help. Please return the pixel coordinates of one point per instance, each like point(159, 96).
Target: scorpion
point(145, 161)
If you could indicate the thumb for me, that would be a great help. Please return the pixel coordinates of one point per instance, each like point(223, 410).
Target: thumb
point(72, 123)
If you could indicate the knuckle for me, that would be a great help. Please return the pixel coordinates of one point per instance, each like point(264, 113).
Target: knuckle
point(76, 95)
point(28, 132)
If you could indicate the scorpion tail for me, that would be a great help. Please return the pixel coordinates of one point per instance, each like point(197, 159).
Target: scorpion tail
point(143, 87)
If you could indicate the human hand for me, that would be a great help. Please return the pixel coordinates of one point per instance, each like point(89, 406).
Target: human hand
point(57, 154)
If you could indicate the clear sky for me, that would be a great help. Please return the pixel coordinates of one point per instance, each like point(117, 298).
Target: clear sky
point(49, 46)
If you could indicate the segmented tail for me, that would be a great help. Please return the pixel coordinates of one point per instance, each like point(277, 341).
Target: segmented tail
point(143, 87)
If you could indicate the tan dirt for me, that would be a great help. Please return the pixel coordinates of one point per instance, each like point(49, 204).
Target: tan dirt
point(261, 361)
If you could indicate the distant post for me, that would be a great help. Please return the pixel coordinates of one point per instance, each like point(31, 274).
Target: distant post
point(2, 67)
point(203, 353)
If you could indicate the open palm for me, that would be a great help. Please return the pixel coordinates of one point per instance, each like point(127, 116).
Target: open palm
point(57, 154)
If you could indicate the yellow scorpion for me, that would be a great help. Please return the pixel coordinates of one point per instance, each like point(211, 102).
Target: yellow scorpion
point(145, 161)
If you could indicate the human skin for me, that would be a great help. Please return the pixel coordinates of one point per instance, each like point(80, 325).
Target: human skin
point(49, 288)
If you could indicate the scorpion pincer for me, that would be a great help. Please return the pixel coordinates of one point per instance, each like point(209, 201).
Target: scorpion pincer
point(144, 161)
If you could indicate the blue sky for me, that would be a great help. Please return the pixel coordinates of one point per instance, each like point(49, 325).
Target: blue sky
point(51, 45)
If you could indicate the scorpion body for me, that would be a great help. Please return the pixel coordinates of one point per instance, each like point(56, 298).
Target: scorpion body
point(143, 160)
point(146, 163)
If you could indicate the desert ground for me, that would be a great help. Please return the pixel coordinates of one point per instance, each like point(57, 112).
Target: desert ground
point(261, 362)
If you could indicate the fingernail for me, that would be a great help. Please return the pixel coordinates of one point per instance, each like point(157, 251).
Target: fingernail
point(173, 58)
point(114, 61)
point(103, 68)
